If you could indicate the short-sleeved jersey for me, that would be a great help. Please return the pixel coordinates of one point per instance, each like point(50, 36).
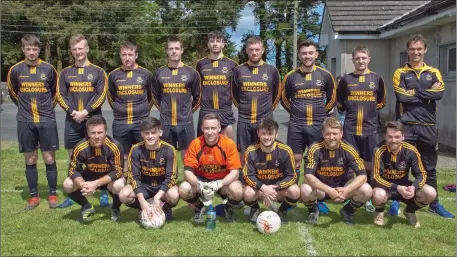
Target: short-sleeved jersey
point(130, 94)
point(391, 170)
point(177, 94)
point(154, 168)
point(33, 90)
point(82, 88)
point(216, 78)
point(212, 162)
point(331, 166)
point(418, 107)
point(256, 91)
point(275, 168)
point(361, 96)
point(308, 96)
point(93, 162)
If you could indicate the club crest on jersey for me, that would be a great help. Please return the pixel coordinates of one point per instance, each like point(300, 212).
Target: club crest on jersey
point(162, 161)
point(277, 164)
point(371, 85)
point(139, 80)
point(90, 76)
point(340, 161)
point(428, 77)
point(210, 158)
point(43, 76)
point(402, 165)
point(224, 69)
point(265, 76)
point(184, 78)
point(319, 83)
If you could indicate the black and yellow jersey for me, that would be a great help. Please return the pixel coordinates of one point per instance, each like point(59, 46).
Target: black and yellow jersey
point(82, 88)
point(255, 91)
point(177, 93)
point(95, 162)
point(216, 78)
point(155, 168)
point(361, 96)
point(130, 94)
point(332, 166)
point(308, 96)
point(391, 170)
point(419, 105)
point(33, 89)
point(275, 168)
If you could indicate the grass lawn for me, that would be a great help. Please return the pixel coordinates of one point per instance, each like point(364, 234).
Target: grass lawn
point(55, 232)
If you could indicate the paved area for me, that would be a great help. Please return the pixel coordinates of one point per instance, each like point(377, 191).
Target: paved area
point(8, 127)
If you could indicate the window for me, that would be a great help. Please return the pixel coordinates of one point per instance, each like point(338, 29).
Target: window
point(403, 58)
point(447, 60)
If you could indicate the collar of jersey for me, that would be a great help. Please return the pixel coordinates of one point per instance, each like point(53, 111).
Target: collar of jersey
point(369, 71)
point(399, 150)
point(314, 68)
point(409, 68)
point(180, 65)
point(222, 56)
point(134, 68)
point(338, 146)
point(88, 64)
point(39, 62)
point(211, 146)
point(260, 63)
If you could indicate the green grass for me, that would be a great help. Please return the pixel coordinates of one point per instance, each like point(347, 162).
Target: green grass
point(55, 232)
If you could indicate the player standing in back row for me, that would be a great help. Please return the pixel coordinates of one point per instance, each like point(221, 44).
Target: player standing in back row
point(216, 74)
point(32, 86)
point(176, 89)
point(256, 89)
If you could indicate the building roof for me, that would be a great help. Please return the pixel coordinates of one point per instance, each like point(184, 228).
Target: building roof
point(367, 16)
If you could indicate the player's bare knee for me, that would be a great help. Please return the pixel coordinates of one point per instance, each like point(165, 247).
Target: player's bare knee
point(172, 195)
point(48, 157)
point(426, 194)
point(185, 190)
point(379, 196)
point(126, 195)
point(365, 192)
point(117, 186)
point(249, 194)
point(69, 186)
point(307, 193)
point(31, 158)
point(235, 190)
point(293, 192)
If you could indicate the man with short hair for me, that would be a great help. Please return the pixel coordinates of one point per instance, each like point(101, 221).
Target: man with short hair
point(308, 95)
point(96, 163)
point(216, 74)
point(256, 89)
point(176, 90)
point(81, 92)
point(417, 87)
point(32, 84)
point(130, 97)
point(211, 165)
point(269, 172)
point(361, 94)
point(326, 174)
point(152, 172)
point(391, 164)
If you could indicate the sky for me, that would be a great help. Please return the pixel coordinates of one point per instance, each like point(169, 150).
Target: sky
point(247, 23)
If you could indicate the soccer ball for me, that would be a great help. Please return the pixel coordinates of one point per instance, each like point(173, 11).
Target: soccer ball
point(268, 222)
point(154, 221)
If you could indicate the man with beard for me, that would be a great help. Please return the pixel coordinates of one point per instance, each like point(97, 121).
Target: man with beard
point(256, 90)
point(269, 172)
point(211, 165)
point(391, 164)
point(326, 174)
point(361, 94)
point(176, 91)
point(216, 74)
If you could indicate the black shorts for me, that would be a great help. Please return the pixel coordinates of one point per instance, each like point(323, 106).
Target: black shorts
point(92, 177)
point(246, 135)
point(420, 134)
point(226, 117)
point(149, 191)
point(363, 144)
point(300, 136)
point(178, 136)
point(127, 135)
point(74, 132)
point(396, 196)
point(341, 183)
point(43, 134)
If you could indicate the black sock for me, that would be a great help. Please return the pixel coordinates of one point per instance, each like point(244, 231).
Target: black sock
point(352, 205)
point(79, 198)
point(135, 204)
point(232, 202)
point(116, 202)
point(51, 175)
point(310, 205)
point(194, 200)
point(31, 174)
point(413, 206)
point(170, 205)
point(253, 205)
point(287, 203)
point(380, 208)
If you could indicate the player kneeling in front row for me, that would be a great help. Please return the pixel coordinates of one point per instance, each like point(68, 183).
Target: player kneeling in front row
point(391, 164)
point(152, 172)
point(269, 172)
point(102, 157)
point(326, 174)
point(211, 165)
